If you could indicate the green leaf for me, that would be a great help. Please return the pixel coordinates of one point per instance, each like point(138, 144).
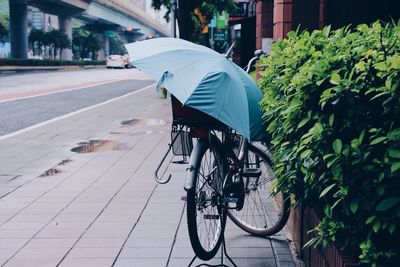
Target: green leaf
point(320, 82)
point(394, 135)
point(370, 219)
point(336, 203)
point(305, 154)
point(394, 153)
point(328, 156)
point(337, 146)
point(361, 137)
point(291, 35)
point(353, 207)
point(392, 228)
point(378, 140)
point(326, 30)
point(303, 122)
point(336, 171)
point(331, 119)
point(380, 95)
point(326, 190)
point(318, 127)
point(395, 166)
point(376, 226)
point(388, 203)
point(335, 79)
point(331, 162)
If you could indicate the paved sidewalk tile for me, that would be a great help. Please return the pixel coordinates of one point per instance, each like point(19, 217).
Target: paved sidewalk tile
point(104, 208)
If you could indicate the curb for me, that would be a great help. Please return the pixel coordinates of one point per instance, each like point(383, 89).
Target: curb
point(17, 68)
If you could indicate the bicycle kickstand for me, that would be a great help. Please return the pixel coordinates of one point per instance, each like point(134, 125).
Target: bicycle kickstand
point(223, 253)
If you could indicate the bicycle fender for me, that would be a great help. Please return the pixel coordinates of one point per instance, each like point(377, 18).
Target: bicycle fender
point(194, 163)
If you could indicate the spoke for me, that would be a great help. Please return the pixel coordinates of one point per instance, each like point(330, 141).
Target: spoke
point(208, 228)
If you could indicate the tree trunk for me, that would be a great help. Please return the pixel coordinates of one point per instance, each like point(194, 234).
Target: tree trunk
point(186, 24)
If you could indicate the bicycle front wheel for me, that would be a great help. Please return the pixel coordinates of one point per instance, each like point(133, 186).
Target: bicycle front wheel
point(206, 215)
point(264, 212)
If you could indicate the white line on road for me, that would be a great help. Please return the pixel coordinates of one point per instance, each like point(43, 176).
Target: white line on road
point(3, 137)
point(59, 91)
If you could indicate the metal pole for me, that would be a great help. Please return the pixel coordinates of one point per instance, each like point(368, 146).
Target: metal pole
point(174, 5)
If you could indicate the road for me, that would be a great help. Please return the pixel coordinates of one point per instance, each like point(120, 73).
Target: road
point(31, 98)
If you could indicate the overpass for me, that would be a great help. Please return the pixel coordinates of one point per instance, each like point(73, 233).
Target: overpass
point(101, 15)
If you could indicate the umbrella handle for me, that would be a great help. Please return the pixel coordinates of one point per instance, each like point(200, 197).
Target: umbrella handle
point(156, 176)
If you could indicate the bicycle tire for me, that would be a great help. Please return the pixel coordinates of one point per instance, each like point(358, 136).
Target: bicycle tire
point(206, 216)
point(262, 213)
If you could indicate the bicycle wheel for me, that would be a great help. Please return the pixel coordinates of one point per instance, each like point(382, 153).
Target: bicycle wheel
point(262, 213)
point(206, 215)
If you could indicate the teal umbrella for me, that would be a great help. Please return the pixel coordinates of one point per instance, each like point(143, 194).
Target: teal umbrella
point(204, 80)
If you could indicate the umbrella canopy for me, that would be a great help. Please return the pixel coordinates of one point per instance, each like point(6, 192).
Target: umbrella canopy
point(203, 79)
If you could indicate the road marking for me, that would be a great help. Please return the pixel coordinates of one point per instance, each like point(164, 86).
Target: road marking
point(3, 137)
point(49, 91)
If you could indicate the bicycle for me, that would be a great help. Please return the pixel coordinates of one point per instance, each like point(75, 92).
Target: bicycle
point(228, 176)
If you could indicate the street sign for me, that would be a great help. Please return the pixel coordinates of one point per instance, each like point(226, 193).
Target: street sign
point(110, 34)
point(213, 22)
point(222, 20)
point(219, 35)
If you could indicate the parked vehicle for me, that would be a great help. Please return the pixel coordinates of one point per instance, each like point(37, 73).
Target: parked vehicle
point(116, 61)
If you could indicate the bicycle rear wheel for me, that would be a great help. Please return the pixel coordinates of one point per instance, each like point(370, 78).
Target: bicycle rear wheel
point(206, 215)
point(264, 213)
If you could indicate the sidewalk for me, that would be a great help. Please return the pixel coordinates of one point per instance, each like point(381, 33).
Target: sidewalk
point(102, 207)
point(72, 67)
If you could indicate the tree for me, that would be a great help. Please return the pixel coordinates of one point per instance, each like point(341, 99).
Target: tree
point(38, 37)
point(187, 19)
point(4, 24)
point(3, 32)
point(63, 42)
point(56, 40)
point(84, 42)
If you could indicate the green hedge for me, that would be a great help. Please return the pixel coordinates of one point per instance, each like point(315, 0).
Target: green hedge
point(38, 62)
point(332, 105)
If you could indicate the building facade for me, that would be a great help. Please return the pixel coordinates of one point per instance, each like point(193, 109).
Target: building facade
point(275, 18)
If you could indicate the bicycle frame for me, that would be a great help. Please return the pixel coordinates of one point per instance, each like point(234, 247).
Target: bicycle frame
point(235, 166)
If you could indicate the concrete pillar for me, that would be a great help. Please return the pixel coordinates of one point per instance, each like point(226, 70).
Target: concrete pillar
point(18, 28)
point(282, 18)
point(105, 49)
point(102, 51)
point(106, 45)
point(65, 24)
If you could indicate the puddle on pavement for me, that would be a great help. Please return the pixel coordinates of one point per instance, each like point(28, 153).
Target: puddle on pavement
point(129, 123)
point(94, 146)
point(147, 122)
point(50, 172)
point(54, 170)
point(64, 162)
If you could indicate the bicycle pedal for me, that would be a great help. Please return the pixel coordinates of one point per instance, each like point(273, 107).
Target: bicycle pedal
point(252, 172)
point(211, 217)
point(231, 200)
point(184, 198)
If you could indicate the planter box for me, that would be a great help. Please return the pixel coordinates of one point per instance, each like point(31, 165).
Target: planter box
point(303, 219)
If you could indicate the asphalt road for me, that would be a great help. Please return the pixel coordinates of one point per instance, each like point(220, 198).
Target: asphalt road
point(18, 114)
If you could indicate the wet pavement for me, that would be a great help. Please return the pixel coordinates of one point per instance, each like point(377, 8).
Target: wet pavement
point(79, 191)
